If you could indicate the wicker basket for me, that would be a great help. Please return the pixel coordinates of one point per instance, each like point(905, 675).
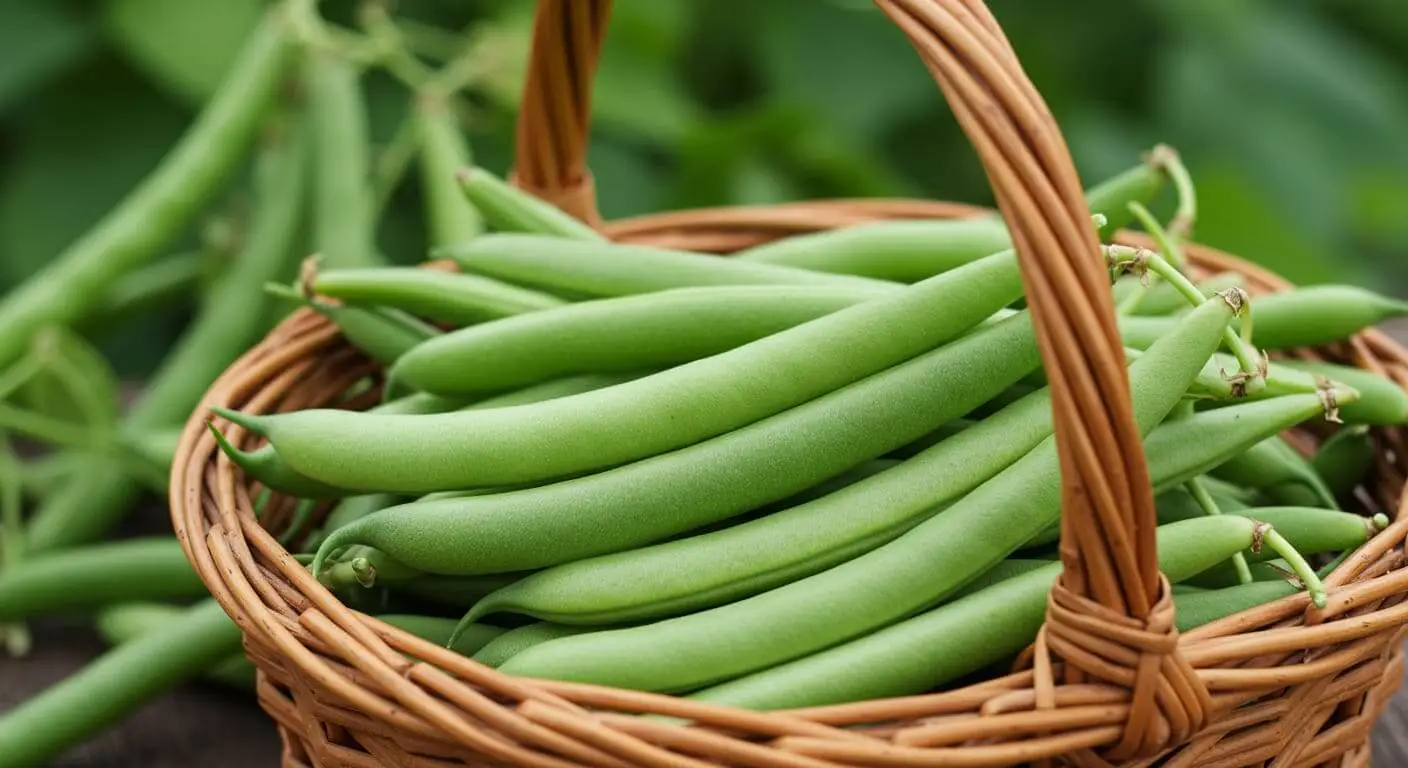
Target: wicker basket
point(1284, 685)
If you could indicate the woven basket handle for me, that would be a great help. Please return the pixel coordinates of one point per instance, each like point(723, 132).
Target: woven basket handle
point(1111, 589)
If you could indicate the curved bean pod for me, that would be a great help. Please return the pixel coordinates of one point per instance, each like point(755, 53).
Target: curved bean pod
point(713, 480)
point(509, 209)
point(160, 209)
point(1305, 317)
point(654, 330)
point(343, 222)
point(449, 217)
point(599, 269)
point(881, 586)
point(125, 622)
point(445, 296)
point(715, 568)
point(115, 683)
point(266, 466)
point(669, 410)
point(1314, 530)
point(89, 577)
point(963, 636)
point(909, 251)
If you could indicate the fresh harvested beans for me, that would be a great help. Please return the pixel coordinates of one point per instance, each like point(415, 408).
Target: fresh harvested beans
point(881, 586)
point(960, 637)
point(715, 568)
point(444, 296)
point(654, 330)
point(1305, 317)
point(92, 576)
point(509, 209)
point(669, 410)
point(268, 468)
point(716, 479)
point(598, 269)
point(449, 217)
point(909, 251)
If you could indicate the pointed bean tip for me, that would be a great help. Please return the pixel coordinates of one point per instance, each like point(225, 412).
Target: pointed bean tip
point(250, 422)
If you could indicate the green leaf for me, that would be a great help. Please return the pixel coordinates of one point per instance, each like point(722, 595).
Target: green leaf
point(39, 40)
point(184, 46)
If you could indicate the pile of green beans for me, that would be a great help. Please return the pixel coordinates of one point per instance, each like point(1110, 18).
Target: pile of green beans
point(822, 470)
point(799, 435)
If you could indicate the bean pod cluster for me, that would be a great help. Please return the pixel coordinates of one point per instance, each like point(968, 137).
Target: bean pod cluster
point(817, 471)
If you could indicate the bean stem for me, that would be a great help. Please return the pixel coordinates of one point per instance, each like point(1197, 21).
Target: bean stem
point(390, 46)
point(1205, 500)
point(1167, 159)
point(1252, 376)
point(1297, 562)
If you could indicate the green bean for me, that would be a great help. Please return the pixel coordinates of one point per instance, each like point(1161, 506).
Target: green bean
point(1382, 402)
point(715, 568)
point(1345, 459)
point(1314, 530)
point(449, 217)
point(116, 683)
point(87, 577)
point(344, 227)
point(1306, 317)
point(1207, 606)
point(168, 199)
point(509, 209)
point(1276, 469)
point(516, 641)
point(713, 480)
point(229, 321)
point(383, 333)
point(945, 643)
point(885, 584)
point(444, 296)
point(908, 251)
point(592, 269)
point(125, 622)
point(268, 468)
point(654, 330)
point(669, 410)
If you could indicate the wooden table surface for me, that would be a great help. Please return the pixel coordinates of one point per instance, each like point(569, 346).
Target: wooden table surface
point(207, 726)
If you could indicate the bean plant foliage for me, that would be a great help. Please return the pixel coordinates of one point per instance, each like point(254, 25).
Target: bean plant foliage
point(1289, 113)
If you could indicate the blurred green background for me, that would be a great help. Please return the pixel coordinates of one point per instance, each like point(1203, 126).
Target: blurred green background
point(1290, 114)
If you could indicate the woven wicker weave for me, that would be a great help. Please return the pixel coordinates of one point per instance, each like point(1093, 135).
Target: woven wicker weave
point(1284, 685)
